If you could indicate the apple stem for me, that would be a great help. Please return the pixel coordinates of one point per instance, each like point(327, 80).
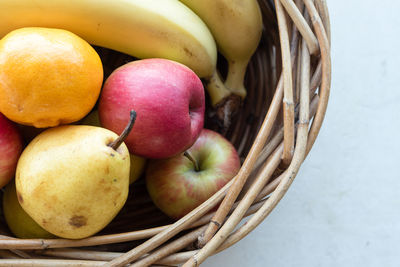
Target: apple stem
point(117, 142)
point(191, 158)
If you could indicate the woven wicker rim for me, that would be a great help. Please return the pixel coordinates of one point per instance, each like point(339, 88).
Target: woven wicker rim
point(273, 133)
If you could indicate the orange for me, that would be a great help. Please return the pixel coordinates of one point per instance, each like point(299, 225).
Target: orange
point(47, 77)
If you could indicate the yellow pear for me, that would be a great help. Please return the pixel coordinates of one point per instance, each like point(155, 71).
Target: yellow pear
point(73, 180)
point(137, 167)
point(19, 222)
point(137, 163)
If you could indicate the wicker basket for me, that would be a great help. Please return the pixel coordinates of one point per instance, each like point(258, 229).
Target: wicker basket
point(287, 88)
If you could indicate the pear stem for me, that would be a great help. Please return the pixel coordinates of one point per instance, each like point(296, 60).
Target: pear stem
point(191, 158)
point(117, 142)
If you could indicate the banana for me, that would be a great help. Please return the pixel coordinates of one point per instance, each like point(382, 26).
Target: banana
point(140, 28)
point(236, 26)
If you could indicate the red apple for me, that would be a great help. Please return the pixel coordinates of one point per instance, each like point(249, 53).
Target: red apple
point(10, 149)
point(168, 98)
point(178, 185)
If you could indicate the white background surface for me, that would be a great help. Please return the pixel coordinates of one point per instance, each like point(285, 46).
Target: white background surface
point(343, 209)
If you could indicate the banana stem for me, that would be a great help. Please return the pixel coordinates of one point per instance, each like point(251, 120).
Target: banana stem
point(235, 78)
point(117, 142)
point(216, 89)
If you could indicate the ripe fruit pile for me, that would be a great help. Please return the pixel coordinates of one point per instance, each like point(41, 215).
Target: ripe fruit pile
point(95, 138)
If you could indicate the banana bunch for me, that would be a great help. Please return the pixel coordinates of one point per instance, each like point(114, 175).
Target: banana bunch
point(140, 28)
point(236, 26)
point(188, 32)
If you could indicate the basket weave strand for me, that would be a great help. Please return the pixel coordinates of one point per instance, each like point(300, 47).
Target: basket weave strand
point(288, 82)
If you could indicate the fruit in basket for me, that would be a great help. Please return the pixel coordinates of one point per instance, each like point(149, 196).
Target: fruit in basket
point(49, 76)
point(178, 185)
point(169, 100)
point(10, 149)
point(19, 222)
point(143, 29)
point(137, 163)
point(73, 180)
point(236, 27)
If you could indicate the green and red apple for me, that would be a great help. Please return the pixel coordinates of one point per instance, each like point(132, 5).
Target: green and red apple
point(179, 184)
